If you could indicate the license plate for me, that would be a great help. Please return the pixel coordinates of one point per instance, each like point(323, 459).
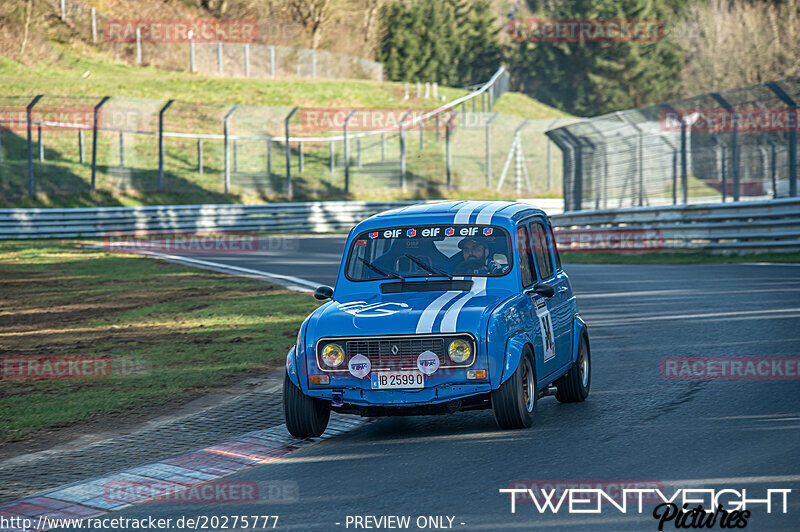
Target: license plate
point(397, 379)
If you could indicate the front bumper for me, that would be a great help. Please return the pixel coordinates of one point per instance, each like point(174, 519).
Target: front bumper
point(435, 394)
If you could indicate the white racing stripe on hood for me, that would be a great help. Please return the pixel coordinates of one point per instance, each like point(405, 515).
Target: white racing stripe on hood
point(485, 216)
point(462, 216)
point(426, 319)
point(451, 316)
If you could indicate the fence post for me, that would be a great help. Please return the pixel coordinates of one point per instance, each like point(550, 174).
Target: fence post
point(313, 63)
point(272, 61)
point(94, 140)
point(289, 190)
point(347, 153)
point(483, 102)
point(94, 25)
point(300, 156)
point(269, 157)
point(138, 46)
point(63, 12)
point(383, 147)
point(219, 58)
point(684, 162)
point(235, 156)
point(39, 143)
point(448, 158)
point(331, 157)
point(246, 60)
point(437, 127)
point(200, 156)
point(549, 160)
point(403, 153)
point(225, 150)
point(358, 152)
point(191, 55)
point(81, 157)
point(488, 146)
point(161, 144)
point(121, 151)
point(774, 87)
point(421, 135)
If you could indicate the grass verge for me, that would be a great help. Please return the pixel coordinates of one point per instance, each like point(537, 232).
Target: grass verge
point(169, 331)
point(676, 258)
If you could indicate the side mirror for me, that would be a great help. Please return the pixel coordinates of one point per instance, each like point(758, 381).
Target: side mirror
point(323, 292)
point(542, 289)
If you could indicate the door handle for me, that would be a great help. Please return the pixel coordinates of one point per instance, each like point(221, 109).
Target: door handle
point(562, 289)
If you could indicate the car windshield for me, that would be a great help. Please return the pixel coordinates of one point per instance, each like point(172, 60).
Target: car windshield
point(429, 251)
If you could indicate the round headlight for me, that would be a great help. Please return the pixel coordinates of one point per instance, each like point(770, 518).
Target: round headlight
point(333, 355)
point(459, 351)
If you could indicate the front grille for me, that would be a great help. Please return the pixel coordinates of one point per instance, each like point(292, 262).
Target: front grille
point(380, 351)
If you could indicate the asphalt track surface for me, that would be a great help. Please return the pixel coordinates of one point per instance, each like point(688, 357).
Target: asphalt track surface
point(635, 425)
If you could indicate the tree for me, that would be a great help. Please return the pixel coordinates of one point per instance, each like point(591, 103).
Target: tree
point(589, 78)
point(313, 15)
point(450, 41)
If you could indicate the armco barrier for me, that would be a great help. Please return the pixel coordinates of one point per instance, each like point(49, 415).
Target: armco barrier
point(744, 226)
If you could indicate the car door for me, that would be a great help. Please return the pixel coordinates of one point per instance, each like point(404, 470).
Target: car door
point(558, 307)
point(538, 324)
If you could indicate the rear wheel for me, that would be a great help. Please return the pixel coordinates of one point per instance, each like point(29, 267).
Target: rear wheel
point(514, 402)
point(306, 417)
point(574, 386)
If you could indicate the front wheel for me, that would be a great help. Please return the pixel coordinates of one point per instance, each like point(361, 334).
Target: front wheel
point(514, 402)
point(306, 417)
point(573, 387)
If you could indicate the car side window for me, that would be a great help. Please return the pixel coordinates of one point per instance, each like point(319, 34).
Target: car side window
point(525, 260)
point(555, 249)
point(541, 250)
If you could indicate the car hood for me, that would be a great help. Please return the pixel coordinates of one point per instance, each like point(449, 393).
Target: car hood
point(406, 313)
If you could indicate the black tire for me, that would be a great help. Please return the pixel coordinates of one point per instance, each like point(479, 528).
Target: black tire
point(574, 386)
point(306, 417)
point(514, 402)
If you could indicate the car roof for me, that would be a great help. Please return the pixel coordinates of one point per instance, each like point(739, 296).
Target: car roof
point(456, 212)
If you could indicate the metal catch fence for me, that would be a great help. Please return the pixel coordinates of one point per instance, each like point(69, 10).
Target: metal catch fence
point(726, 146)
point(55, 146)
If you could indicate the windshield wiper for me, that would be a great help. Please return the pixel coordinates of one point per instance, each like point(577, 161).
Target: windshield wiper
point(382, 272)
point(431, 269)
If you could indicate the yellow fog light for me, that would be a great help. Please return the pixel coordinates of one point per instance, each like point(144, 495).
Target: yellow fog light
point(459, 351)
point(333, 355)
point(476, 374)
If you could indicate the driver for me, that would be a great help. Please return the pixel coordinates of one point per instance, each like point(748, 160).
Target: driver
point(475, 257)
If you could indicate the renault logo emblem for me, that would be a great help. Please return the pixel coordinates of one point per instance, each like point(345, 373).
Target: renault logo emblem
point(395, 349)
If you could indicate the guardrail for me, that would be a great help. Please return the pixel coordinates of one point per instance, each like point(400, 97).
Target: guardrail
point(772, 225)
point(745, 226)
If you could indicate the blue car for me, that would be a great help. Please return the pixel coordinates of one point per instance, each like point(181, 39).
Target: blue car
point(438, 308)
